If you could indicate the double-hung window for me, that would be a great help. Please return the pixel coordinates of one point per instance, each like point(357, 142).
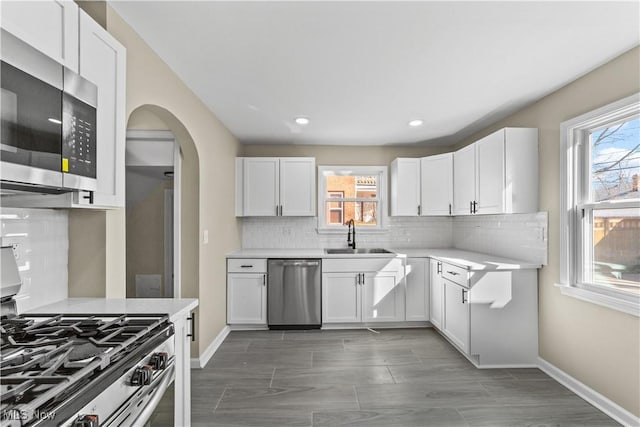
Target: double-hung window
point(351, 192)
point(600, 216)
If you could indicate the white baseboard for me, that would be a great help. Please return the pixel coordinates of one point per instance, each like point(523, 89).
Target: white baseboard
point(601, 402)
point(201, 362)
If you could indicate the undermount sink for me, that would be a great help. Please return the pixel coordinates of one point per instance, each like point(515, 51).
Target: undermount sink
point(357, 251)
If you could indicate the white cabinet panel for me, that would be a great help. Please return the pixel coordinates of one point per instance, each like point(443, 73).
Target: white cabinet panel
point(456, 315)
point(273, 186)
point(405, 187)
point(246, 298)
point(341, 298)
point(182, 402)
point(497, 174)
point(49, 26)
point(490, 174)
point(417, 289)
point(297, 186)
point(261, 186)
point(437, 184)
point(103, 61)
point(382, 298)
point(436, 288)
point(464, 180)
point(362, 290)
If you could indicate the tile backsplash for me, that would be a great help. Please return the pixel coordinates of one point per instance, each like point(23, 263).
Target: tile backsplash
point(403, 232)
point(41, 242)
point(518, 236)
point(521, 236)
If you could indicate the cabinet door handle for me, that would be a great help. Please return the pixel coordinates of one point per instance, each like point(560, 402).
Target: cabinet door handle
point(453, 273)
point(449, 208)
point(419, 210)
point(475, 207)
point(280, 210)
point(246, 266)
point(470, 207)
point(464, 293)
point(439, 269)
point(192, 318)
point(277, 210)
point(362, 281)
point(264, 280)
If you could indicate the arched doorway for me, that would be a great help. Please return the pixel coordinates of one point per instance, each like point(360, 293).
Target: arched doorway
point(171, 170)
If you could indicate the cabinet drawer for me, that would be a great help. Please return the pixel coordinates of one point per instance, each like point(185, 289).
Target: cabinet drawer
point(246, 265)
point(360, 264)
point(456, 274)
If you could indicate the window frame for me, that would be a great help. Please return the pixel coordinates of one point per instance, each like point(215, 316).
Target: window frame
point(576, 208)
point(339, 209)
point(381, 199)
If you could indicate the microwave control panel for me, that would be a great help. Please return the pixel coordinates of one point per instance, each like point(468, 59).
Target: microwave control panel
point(79, 137)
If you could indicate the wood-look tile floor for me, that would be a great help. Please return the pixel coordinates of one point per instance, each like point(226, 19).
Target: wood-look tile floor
point(397, 377)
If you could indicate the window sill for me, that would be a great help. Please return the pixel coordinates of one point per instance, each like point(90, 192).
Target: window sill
point(629, 306)
point(359, 231)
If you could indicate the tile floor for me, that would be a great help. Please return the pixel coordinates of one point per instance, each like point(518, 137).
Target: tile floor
point(397, 377)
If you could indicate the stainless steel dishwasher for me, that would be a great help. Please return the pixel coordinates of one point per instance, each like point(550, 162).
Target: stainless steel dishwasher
point(293, 293)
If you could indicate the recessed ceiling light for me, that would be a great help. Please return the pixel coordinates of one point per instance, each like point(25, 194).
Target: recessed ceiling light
point(302, 121)
point(414, 123)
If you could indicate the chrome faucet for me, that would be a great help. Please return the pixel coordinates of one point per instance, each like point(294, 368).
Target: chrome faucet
point(351, 242)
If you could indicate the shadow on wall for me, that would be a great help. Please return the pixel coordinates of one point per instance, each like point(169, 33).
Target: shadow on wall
point(153, 117)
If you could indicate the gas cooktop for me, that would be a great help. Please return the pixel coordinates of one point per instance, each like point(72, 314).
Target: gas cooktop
point(51, 366)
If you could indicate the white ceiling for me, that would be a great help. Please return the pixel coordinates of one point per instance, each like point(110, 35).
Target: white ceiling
point(361, 70)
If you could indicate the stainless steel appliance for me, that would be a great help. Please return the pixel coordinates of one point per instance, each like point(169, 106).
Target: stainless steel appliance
point(48, 123)
point(293, 293)
point(81, 370)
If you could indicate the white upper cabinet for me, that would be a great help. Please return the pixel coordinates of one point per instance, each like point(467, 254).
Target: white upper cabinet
point(261, 186)
point(464, 180)
point(49, 26)
point(405, 187)
point(297, 186)
point(103, 61)
point(272, 186)
point(422, 187)
point(436, 184)
point(498, 174)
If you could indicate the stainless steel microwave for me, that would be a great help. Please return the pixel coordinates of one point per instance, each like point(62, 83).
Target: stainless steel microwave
point(48, 123)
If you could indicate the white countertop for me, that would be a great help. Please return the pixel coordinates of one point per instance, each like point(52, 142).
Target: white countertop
point(474, 261)
point(301, 253)
point(173, 307)
point(470, 260)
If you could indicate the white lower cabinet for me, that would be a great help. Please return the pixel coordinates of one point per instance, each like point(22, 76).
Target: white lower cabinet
point(182, 384)
point(247, 291)
point(436, 290)
point(456, 324)
point(362, 290)
point(341, 298)
point(417, 289)
point(490, 316)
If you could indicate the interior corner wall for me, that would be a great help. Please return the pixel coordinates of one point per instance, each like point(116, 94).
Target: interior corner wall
point(151, 82)
point(596, 345)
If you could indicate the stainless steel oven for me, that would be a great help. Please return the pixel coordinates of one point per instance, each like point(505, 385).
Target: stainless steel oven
point(48, 122)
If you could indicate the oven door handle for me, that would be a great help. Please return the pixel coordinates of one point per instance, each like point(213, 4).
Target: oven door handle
point(159, 389)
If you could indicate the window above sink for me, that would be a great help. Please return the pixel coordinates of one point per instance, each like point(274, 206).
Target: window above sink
point(352, 192)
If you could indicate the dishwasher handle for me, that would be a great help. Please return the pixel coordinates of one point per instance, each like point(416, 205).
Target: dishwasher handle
point(300, 263)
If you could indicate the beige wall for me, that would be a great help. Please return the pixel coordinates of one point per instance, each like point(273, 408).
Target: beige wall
point(87, 251)
point(151, 82)
point(330, 155)
point(598, 346)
